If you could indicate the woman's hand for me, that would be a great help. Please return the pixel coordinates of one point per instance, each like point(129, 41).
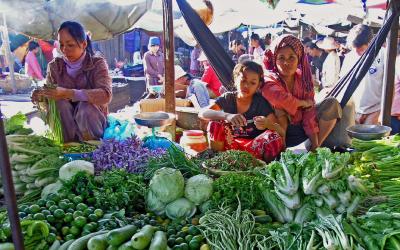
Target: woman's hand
point(37, 96)
point(306, 104)
point(58, 93)
point(236, 120)
point(261, 122)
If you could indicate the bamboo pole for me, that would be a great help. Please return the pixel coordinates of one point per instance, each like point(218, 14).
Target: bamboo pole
point(168, 23)
point(389, 74)
point(9, 191)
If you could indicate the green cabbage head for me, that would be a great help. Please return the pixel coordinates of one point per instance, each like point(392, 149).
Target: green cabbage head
point(167, 184)
point(199, 189)
point(180, 209)
point(154, 204)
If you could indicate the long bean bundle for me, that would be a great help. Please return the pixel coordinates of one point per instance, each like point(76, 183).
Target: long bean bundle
point(54, 121)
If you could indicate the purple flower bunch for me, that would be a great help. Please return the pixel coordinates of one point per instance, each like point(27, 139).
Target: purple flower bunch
point(129, 154)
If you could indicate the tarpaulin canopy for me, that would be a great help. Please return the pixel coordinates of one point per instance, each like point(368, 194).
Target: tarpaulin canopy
point(103, 18)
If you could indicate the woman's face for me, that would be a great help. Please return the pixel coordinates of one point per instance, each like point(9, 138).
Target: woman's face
point(70, 48)
point(286, 61)
point(247, 83)
point(154, 48)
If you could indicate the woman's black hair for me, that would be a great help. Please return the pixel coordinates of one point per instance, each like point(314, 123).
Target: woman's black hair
point(77, 31)
point(32, 45)
point(360, 35)
point(250, 66)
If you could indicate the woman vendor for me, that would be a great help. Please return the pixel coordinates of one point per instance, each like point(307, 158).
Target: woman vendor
point(244, 120)
point(290, 90)
point(83, 89)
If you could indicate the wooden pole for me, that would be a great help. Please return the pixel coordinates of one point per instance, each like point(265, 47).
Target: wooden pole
point(9, 58)
point(391, 54)
point(9, 191)
point(168, 23)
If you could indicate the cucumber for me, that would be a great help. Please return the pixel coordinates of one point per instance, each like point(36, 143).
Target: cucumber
point(118, 236)
point(126, 246)
point(142, 239)
point(263, 219)
point(7, 246)
point(66, 245)
point(55, 246)
point(159, 241)
point(81, 243)
point(98, 242)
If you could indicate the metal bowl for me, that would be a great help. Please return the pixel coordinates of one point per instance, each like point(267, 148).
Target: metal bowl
point(154, 119)
point(368, 132)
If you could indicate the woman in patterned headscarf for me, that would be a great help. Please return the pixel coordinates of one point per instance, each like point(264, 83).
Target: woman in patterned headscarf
point(288, 87)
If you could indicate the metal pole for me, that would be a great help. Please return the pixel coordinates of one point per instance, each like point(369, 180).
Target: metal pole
point(169, 49)
point(9, 191)
point(391, 54)
point(8, 54)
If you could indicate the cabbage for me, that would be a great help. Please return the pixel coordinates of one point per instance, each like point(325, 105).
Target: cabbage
point(205, 207)
point(199, 189)
point(154, 204)
point(180, 209)
point(53, 188)
point(167, 184)
point(70, 169)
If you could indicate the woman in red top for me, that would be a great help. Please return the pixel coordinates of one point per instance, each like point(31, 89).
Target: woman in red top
point(290, 90)
point(210, 77)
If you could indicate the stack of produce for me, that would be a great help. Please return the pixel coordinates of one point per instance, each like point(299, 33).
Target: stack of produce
point(168, 194)
point(129, 154)
point(233, 160)
point(35, 162)
point(15, 125)
point(303, 186)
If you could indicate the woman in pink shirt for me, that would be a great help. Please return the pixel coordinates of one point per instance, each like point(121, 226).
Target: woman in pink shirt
point(32, 67)
point(395, 121)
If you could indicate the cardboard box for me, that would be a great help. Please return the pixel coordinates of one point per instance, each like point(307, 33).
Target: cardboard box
point(154, 105)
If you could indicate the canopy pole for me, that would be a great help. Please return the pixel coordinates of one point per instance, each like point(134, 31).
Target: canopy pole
point(169, 48)
point(9, 58)
point(9, 191)
point(389, 74)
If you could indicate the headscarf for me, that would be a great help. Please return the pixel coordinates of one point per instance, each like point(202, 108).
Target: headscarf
point(298, 48)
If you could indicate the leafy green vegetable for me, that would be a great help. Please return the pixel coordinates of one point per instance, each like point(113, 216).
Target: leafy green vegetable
point(180, 209)
point(167, 184)
point(198, 188)
point(15, 125)
point(233, 160)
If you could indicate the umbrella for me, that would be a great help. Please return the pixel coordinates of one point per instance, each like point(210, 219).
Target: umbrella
point(103, 18)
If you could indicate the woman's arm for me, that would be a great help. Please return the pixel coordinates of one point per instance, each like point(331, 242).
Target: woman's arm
point(214, 113)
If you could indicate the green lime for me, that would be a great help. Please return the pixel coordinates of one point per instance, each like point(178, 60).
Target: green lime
point(184, 246)
point(53, 208)
point(71, 197)
point(41, 203)
point(74, 230)
point(39, 216)
point(68, 217)
point(80, 221)
point(70, 210)
point(34, 208)
point(188, 238)
point(171, 242)
point(92, 217)
point(77, 200)
point(23, 208)
point(65, 230)
point(63, 205)
point(194, 245)
point(21, 215)
point(193, 230)
point(179, 240)
point(198, 238)
point(59, 213)
point(87, 212)
point(46, 212)
point(171, 231)
point(99, 213)
point(50, 203)
point(69, 237)
point(77, 214)
point(181, 234)
point(50, 218)
point(81, 207)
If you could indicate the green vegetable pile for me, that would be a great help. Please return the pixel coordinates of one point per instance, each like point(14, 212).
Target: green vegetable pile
point(79, 148)
point(35, 162)
point(233, 160)
point(15, 125)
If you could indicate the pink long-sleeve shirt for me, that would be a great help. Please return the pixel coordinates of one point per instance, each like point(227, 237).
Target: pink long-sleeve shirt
point(32, 66)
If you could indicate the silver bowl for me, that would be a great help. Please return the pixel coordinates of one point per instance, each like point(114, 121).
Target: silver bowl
point(368, 132)
point(154, 119)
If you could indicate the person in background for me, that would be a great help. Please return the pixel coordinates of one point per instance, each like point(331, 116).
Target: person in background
point(194, 63)
point(83, 89)
point(154, 63)
point(243, 119)
point(210, 77)
point(56, 50)
point(290, 90)
point(367, 97)
point(237, 49)
point(318, 57)
point(395, 119)
point(258, 51)
point(331, 66)
point(186, 86)
point(3, 60)
point(268, 55)
point(32, 67)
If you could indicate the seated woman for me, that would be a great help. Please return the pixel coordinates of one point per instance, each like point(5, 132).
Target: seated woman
point(290, 90)
point(83, 85)
point(244, 120)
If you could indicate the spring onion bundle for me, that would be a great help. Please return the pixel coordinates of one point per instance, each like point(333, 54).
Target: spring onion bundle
point(53, 119)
